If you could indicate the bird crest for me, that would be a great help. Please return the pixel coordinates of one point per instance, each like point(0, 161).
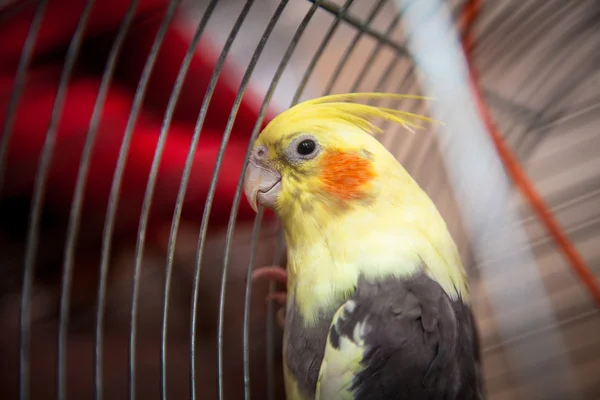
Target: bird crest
point(325, 114)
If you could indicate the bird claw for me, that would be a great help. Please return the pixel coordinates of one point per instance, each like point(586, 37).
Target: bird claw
point(280, 317)
point(274, 273)
point(277, 274)
point(278, 297)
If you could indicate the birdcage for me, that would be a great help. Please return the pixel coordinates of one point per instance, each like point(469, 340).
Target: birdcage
point(117, 284)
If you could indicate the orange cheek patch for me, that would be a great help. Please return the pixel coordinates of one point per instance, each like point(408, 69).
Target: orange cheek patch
point(344, 175)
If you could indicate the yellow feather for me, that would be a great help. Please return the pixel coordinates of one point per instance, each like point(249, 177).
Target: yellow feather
point(322, 112)
point(341, 365)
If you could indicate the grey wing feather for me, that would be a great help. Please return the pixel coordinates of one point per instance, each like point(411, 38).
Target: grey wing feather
point(419, 344)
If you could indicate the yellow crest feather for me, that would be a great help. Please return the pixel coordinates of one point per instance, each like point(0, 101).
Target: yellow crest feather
point(323, 112)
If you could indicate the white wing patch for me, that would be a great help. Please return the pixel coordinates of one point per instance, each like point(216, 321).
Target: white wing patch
point(341, 364)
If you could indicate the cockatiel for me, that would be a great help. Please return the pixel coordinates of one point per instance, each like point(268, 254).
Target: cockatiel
point(377, 300)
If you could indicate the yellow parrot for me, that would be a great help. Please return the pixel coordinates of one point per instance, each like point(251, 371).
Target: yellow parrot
point(377, 303)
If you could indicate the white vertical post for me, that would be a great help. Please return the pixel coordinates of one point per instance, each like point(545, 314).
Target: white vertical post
point(482, 190)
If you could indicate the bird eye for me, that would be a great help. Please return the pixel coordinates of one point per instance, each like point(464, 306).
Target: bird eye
point(306, 147)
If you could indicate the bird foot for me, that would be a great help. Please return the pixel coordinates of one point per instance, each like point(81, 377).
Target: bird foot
point(277, 274)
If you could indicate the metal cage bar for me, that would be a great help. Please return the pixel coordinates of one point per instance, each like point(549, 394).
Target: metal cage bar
point(36, 210)
point(539, 106)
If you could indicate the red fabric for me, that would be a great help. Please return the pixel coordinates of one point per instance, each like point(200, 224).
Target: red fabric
point(33, 116)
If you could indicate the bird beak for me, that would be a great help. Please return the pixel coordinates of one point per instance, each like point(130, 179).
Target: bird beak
point(262, 183)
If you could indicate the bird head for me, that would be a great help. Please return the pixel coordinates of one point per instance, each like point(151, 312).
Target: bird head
point(316, 156)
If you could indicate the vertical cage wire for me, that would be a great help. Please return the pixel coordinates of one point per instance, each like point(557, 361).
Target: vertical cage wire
point(247, 296)
point(231, 225)
point(150, 187)
point(212, 188)
point(533, 104)
point(36, 210)
point(185, 178)
point(75, 220)
point(116, 186)
point(256, 228)
point(19, 84)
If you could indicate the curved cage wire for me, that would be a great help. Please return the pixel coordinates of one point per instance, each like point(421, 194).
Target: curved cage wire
point(121, 303)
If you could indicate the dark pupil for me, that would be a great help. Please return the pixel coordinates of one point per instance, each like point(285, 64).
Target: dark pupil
point(306, 147)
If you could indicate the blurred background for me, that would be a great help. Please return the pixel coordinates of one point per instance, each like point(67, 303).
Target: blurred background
point(101, 102)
